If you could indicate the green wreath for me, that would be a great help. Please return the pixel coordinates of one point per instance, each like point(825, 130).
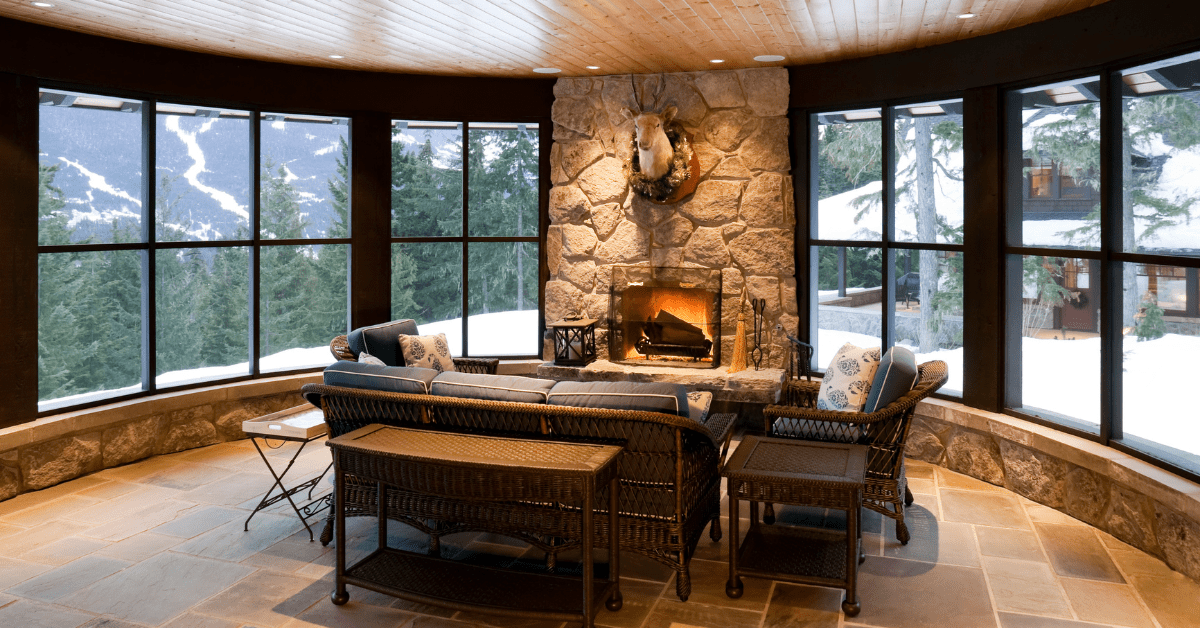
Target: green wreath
point(662, 188)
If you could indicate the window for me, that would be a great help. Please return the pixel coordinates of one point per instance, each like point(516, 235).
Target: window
point(1055, 284)
point(172, 262)
point(475, 252)
point(903, 284)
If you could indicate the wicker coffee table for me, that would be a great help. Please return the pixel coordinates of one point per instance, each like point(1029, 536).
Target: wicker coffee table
point(800, 473)
point(490, 483)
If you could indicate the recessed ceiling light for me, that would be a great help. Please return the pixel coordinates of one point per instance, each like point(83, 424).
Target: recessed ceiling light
point(593, 67)
point(336, 57)
point(768, 58)
point(42, 5)
point(718, 61)
point(965, 16)
point(547, 70)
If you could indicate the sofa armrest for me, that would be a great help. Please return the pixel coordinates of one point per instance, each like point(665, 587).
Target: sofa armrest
point(340, 348)
point(722, 426)
point(486, 366)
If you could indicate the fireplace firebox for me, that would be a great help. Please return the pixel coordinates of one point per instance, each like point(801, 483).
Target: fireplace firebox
point(665, 316)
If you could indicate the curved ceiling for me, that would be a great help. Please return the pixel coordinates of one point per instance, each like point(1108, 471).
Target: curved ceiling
point(510, 38)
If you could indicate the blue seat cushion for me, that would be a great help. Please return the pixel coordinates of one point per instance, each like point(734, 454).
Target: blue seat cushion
point(382, 341)
point(699, 404)
point(651, 397)
point(896, 375)
point(492, 387)
point(398, 379)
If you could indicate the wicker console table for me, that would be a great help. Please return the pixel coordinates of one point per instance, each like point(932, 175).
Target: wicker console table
point(495, 483)
point(800, 473)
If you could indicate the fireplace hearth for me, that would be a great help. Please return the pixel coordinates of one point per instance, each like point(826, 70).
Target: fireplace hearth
point(665, 316)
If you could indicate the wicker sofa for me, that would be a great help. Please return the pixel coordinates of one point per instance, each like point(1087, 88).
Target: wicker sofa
point(670, 480)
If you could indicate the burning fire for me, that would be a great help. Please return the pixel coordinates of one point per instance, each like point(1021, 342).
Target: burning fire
point(642, 304)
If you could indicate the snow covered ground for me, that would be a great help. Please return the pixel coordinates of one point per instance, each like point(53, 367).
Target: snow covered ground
point(1063, 376)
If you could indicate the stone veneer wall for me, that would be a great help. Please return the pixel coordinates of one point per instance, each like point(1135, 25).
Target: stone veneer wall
point(739, 220)
point(1149, 508)
point(63, 447)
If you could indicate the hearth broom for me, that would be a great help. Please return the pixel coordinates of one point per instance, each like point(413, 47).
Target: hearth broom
point(738, 362)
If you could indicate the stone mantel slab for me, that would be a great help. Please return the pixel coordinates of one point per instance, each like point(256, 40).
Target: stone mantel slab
point(748, 386)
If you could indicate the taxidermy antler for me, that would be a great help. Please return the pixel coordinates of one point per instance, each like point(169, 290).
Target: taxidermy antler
point(654, 149)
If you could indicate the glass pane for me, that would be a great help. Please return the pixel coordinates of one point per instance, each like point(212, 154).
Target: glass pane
point(1060, 139)
point(302, 304)
point(1163, 323)
point(202, 308)
point(1060, 343)
point(90, 167)
point(849, 175)
point(929, 171)
point(503, 300)
point(1161, 158)
point(304, 182)
point(202, 178)
point(89, 326)
point(850, 299)
point(427, 193)
point(427, 287)
point(934, 332)
point(504, 180)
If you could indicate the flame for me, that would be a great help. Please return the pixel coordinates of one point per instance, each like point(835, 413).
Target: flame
point(690, 304)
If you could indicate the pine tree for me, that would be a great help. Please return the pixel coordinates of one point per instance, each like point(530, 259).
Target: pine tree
point(286, 275)
point(1152, 325)
point(328, 306)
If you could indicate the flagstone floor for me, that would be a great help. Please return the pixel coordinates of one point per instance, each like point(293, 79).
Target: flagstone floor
point(160, 543)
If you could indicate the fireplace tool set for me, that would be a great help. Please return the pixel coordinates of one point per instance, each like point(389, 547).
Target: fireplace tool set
point(756, 354)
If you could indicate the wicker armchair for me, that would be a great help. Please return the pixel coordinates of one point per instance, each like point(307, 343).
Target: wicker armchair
point(884, 431)
point(340, 349)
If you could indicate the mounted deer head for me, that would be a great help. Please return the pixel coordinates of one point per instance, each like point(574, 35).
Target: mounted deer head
point(654, 149)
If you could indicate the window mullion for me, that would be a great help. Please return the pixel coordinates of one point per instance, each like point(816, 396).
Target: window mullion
point(255, 238)
point(1112, 271)
point(887, 324)
point(466, 230)
point(149, 256)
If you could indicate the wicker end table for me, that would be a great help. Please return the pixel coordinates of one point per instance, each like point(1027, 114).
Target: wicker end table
point(800, 473)
point(493, 483)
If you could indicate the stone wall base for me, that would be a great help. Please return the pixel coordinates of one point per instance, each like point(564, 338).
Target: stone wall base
point(63, 447)
point(1149, 508)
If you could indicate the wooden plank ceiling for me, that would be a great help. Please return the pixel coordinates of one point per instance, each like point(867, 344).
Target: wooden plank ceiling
point(512, 37)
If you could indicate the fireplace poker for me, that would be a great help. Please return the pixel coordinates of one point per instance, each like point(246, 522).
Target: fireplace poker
point(756, 354)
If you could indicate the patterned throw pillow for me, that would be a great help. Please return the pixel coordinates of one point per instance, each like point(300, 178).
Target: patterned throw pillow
point(367, 358)
point(430, 352)
point(847, 381)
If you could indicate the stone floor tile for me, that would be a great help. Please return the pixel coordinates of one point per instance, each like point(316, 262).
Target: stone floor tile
point(69, 578)
point(109, 622)
point(997, 509)
point(35, 498)
point(141, 520)
point(324, 614)
point(946, 542)
point(1025, 587)
point(950, 479)
point(1172, 599)
point(186, 476)
point(1107, 602)
point(638, 600)
point(504, 621)
point(265, 599)
point(707, 549)
point(1075, 552)
point(137, 471)
point(38, 536)
point(1044, 514)
point(671, 612)
point(288, 555)
point(14, 572)
point(708, 587)
point(642, 567)
point(1112, 542)
point(63, 551)
point(922, 486)
point(50, 510)
point(158, 588)
point(192, 620)
point(109, 489)
point(801, 606)
point(1014, 620)
point(1009, 543)
point(199, 520)
point(31, 614)
point(231, 542)
point(139, 547)
point(918, 469)
point(910, 594)
point(120, 507)
point(425, 610)
point(231, 491)
point(223, 455)
point(7, 530)
point(1138, 563)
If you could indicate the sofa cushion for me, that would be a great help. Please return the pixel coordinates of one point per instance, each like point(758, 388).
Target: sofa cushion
point(382, 341)
point(848, 379)
point(399, 379)
point(367, 358)
point(896, 375)
point(699, 403)
point(492, 387)
point(431, 352)
point(652, 397)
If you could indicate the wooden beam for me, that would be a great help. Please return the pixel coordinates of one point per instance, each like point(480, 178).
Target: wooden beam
point(370, 286)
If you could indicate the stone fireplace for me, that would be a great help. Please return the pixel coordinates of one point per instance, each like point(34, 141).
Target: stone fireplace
point(738, 225)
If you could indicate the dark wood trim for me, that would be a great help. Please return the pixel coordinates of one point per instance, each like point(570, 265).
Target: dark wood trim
point(466, 229)
point(145, 71)
point(255, 237)
point(800, 153)
point(983, 252)
point(1008, 282)
point(545, 147)
point(18, 247)
point(1115, 31)
point(1111, 271)
point(148, 257)
point(370, 272)
point(887, 322)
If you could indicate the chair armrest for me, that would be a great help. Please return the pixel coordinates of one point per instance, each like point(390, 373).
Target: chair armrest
point(486, 366)
point(340, 348)
point(722, 425)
